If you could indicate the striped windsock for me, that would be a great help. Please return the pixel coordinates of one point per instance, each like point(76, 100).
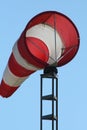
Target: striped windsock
point(43, 42)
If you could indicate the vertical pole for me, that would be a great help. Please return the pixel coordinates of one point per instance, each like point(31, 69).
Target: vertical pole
point(52, 104)
point(57, 104)
point(41, 104)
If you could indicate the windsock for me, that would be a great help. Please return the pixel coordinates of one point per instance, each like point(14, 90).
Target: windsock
point(49, 39)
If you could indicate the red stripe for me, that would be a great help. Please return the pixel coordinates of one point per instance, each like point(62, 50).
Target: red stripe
point(6, 90)
point(37, 48)
point(17, 69)
point(40, 18)
point(26, 54)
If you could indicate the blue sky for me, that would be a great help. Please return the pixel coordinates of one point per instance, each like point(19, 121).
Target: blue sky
point(22, 110)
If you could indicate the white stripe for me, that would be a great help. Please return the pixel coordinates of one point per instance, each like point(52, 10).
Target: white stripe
point(22, 61)
point(46, 34)
point(12, 80)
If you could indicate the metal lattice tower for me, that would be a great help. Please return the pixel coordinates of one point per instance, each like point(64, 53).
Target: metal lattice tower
point(50, 73)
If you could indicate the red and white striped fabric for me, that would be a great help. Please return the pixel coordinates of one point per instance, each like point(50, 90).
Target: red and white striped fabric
point(50, 38)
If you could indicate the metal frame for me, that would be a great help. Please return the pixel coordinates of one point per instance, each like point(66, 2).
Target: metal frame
point(52, 97)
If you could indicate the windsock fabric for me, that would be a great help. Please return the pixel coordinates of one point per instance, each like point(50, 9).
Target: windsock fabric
point(49, 39)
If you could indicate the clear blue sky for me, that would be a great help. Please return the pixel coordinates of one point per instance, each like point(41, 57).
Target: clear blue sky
point(22, 110)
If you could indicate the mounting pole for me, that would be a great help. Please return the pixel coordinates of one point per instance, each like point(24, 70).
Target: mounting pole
point(51, 74)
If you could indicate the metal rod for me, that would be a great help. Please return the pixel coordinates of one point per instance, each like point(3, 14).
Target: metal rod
point(53, 104)
point(41, 105)
point(57, 103)
point(55, 37)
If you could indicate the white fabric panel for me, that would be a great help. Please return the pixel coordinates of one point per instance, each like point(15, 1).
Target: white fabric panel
point(22, 61)
point(47, 34)
point(12, 80)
